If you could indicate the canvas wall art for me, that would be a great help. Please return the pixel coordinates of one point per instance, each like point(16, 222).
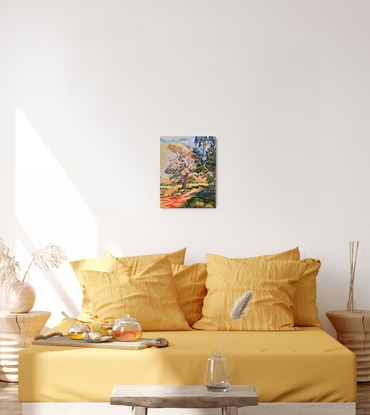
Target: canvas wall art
point(188, 172)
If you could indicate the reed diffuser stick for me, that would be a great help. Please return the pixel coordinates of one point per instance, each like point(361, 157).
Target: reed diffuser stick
point(353, 250)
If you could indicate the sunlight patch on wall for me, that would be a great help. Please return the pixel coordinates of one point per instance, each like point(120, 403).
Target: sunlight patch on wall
point(56, 289)
point(50, 210)
point(48, 205)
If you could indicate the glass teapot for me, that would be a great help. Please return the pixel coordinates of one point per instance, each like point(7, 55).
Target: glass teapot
point(127, 329)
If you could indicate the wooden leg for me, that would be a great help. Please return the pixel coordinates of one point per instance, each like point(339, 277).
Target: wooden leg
point(229, 410)
point(139, 410)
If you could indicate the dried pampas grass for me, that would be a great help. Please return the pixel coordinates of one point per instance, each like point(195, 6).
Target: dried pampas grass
point(240, 306)
point(46, 257)
point(237, 312)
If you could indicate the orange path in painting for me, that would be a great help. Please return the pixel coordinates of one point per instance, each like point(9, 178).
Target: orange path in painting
point(177, 201)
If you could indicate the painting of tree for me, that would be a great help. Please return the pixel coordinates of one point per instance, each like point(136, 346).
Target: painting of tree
point(188, 172)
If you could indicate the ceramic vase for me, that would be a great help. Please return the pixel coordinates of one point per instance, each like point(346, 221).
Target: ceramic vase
point(20, 297)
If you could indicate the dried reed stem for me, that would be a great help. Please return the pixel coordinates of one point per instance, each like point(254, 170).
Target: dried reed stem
point(353, 250)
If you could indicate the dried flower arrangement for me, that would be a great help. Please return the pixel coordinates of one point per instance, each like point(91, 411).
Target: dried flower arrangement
point(46, 257)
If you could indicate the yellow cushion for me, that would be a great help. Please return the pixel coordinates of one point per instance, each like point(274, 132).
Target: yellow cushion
point(189, 279)
point(93, 264)
point(291, 254)
point(146, 292)
point(273, 284)
point(191, 289)
point(107, 264)
point(176, 257)
point(305, 310)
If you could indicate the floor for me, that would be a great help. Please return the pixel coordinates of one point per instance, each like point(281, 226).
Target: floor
point(363, 398)
point(9, 404)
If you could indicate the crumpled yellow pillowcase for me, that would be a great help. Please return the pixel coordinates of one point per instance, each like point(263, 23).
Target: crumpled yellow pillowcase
point(146, 292)
point(273, 284)
point(176, 257)
point(105, 264)
point(305, 311)
point(290, 255)
point(189, 279)
point(93, 264)
point(191, 289)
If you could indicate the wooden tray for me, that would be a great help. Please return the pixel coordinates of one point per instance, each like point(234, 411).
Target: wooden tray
point(65, 341)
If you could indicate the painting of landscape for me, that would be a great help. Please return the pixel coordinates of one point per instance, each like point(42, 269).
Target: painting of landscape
point(188, 172)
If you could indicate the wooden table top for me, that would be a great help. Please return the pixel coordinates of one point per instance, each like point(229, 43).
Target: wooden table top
point(165, 396)
point(349, 321)
point(30, 314)
point(349, 314)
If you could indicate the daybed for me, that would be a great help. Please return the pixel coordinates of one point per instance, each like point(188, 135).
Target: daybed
point(278, 345)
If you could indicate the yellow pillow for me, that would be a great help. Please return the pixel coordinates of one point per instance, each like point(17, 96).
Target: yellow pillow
point(273, 284)
point(93, 264)
point(291, 254)
point(107, 264)
point(305, 310)
point(191, 287)
point(146, 292)
point(190, 283)
point(176, 257)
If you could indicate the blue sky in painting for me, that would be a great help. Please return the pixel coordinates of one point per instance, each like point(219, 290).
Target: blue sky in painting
point(188, 141)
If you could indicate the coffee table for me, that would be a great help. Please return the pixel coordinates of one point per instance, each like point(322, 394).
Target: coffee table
point(142, 397)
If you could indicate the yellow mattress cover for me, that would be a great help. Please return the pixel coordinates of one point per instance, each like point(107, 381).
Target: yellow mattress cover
point(305, 365)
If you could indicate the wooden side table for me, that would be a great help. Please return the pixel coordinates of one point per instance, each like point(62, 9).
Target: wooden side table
point(353, 331)
point(16, 333)
point(142, 397)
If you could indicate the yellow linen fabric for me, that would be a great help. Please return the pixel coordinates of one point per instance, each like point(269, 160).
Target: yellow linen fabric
point(106, 264)
point(93, 264)
point(191, 289)
point(305, 311)
point(176, 257)
point(289, 255)
point(146, 292)
point(305, 365)
point(273, 284)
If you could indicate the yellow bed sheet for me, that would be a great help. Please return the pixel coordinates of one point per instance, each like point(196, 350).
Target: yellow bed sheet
point(305, 365)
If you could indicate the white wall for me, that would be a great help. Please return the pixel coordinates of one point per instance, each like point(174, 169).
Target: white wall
point(87, 88)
